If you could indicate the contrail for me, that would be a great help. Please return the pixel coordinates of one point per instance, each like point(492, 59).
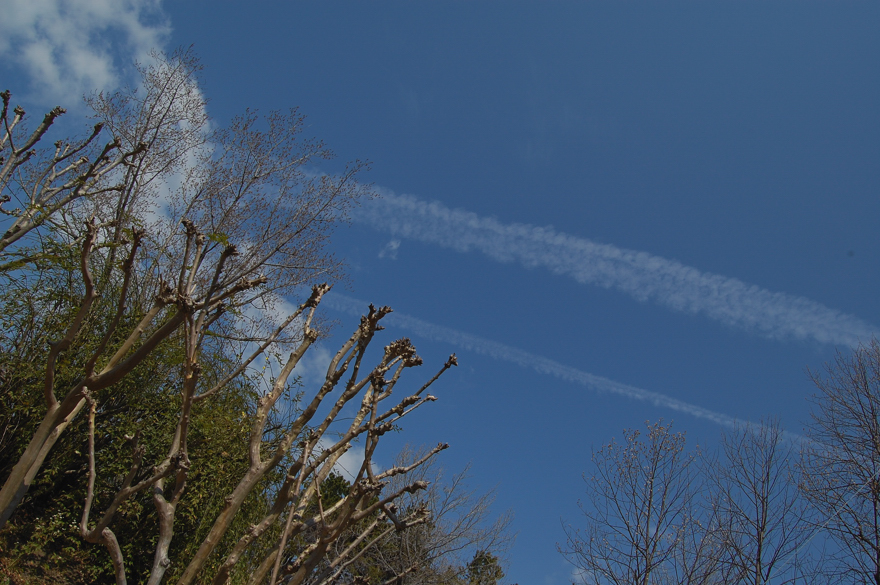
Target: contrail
point(644, 277)
point(540, 364)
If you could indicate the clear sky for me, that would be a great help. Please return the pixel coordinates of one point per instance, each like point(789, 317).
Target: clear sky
point(612, 211)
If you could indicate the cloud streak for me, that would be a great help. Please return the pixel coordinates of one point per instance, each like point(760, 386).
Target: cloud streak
point(645, 277)
point(524, 359)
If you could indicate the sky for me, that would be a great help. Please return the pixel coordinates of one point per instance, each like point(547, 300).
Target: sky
point(613, 212)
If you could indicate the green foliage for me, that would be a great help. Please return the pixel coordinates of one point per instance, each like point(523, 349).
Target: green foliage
point(484, 569)
point(220, 238)
point(43, 539)
point(333, 489)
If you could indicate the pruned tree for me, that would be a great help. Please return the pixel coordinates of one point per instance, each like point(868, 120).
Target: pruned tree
point(176, 241)
point(309, 469)
point(638, 511)
point(438, 550)
point(841, 465)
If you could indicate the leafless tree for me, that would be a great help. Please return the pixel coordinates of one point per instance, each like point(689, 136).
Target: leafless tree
point(696, 559)
point(841, 466)
point(57, 187)
point(639, 512)
point(763, 523)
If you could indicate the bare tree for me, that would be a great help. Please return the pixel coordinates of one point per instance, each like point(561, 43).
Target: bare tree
point(699, 549)
point(640, 499)
point(57, 187)
point(841, 465)
point(763, 523)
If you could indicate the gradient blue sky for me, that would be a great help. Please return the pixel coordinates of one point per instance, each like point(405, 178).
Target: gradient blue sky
point(613, 212)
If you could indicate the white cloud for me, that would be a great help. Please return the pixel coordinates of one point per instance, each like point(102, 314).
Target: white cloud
point(72, 47)
point(390, 250)
point(540, 364)
point(641, 275)
point(350, 462)
point(312, 368)
point(579, 575)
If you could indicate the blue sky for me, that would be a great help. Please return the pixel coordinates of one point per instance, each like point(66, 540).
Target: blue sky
point(613, 212)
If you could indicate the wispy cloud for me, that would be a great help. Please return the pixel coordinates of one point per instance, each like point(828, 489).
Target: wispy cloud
point(644, 277)
point(390, 250)
point(72, 47)
point(466, 341)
